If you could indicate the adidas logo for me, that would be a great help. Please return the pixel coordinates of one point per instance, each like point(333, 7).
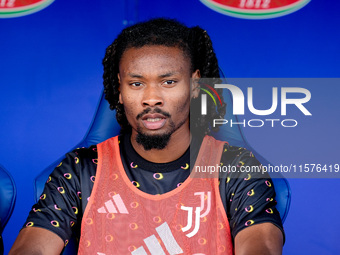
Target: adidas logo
point(110, 207)
point(155, 247)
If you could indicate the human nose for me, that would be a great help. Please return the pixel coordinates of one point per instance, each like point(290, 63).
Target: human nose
point(152, 97)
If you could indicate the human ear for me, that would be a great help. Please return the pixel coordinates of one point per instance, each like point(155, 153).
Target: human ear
point(120, 94)
point(195, 89)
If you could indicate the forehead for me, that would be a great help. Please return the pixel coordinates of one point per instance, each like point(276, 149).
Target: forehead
point(154, 58)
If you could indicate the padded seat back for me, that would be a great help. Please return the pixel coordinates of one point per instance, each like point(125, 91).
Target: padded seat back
point(7, 200)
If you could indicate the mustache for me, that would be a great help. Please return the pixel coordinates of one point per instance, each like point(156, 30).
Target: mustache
point(149, 110)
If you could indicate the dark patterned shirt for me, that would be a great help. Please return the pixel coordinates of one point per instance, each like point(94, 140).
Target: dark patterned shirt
point(247, 198)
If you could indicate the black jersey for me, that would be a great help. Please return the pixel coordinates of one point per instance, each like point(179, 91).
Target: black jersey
point(69, 187)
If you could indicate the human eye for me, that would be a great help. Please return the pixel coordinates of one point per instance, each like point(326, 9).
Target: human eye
point(136, 84)
point(169, 82)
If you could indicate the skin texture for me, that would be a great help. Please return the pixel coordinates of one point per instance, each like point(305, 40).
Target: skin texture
point(37, 241)
point(264, 239)
point(157, 77)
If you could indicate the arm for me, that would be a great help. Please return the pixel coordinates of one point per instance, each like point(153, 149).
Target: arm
point(54, 218)
point(250, 203)
point(264, 239)
point(37, 241)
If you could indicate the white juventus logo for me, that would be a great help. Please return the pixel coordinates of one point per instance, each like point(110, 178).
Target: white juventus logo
point(154, 246)
point(198, 213)
point(111, 208)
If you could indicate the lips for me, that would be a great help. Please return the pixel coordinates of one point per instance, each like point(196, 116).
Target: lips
point(153, 121)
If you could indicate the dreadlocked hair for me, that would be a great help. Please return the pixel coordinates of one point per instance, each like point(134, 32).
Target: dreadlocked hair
point(195, 44)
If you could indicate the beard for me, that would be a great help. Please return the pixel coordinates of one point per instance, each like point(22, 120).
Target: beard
point(149, 142)
point(159, 141)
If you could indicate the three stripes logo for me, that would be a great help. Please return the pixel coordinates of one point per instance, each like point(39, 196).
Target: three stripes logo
point(152, 244)
point(198, 213)
point(155, 247)
point(110, 207)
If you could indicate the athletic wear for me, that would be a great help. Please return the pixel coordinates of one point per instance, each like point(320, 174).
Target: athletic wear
point(187, 220)
point(247, 200)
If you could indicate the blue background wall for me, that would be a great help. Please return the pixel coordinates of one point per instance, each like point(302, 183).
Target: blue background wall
point(50, 78)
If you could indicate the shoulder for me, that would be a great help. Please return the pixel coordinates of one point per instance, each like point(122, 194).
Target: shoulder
point(76, 165)
point(238, 156)
point(80, 157)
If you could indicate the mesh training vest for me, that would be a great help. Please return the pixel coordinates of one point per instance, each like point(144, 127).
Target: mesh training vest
point(121, 219)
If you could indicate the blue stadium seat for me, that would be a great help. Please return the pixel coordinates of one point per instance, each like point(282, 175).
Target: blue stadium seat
point(7, 200)
point(104, 126)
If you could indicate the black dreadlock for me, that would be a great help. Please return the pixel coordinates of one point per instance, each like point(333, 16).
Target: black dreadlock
point(194, 42)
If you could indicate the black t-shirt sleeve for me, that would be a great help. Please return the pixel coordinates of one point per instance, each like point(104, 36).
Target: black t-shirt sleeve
point(248, 199)
point(250, 196)
point(64, 198)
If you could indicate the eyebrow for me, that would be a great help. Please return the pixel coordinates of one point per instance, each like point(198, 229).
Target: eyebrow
point(132, 75)
point(167, 75)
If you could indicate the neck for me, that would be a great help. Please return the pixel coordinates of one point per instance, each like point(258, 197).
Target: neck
point(178, 144)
